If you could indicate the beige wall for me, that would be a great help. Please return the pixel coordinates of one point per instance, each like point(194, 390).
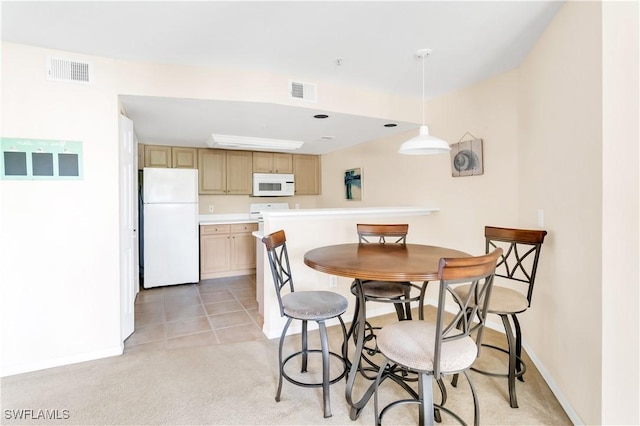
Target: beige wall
point(59, 251)
point(560, 136)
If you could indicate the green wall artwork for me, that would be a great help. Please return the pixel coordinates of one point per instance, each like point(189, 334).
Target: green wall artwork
point(40, 159)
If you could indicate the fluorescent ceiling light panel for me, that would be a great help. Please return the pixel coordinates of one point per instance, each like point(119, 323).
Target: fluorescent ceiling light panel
point(239, 142)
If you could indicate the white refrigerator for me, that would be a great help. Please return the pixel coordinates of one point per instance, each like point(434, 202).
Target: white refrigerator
point(170, 215)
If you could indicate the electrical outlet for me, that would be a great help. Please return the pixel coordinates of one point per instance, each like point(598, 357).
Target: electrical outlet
point(333, 281)
point(540, 218)
point(211, 209)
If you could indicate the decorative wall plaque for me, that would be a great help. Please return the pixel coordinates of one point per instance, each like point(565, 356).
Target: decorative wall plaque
point(466, 158)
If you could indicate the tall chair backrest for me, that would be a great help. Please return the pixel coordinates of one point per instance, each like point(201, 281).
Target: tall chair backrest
point(521, 247)
point(478, 273)
point(378, 233)
point(276, 245)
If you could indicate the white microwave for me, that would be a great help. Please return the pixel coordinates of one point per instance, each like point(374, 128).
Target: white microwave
point(273, 184)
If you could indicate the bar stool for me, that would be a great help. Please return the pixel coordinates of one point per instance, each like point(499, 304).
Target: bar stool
point(518, 264)
point(305, 306)
point(446, 346)
point(397, 293)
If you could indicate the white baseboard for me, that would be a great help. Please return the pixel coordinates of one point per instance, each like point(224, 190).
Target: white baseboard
point(568, 408)
point(10, 370)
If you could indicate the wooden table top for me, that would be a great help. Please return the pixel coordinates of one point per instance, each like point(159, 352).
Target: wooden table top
point(385, 262)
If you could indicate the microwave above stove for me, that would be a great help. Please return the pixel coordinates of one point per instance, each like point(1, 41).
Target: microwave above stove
point(273, 185)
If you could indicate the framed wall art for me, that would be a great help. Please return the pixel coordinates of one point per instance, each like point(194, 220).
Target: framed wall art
point(466, 158)
point(353, 184)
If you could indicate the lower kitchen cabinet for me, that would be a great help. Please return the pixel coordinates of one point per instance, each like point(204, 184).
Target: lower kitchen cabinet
point(227, 250)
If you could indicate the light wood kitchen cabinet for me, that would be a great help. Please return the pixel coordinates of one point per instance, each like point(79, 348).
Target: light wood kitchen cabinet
point(227, 250)
point(306, 170)
point(272, 162)
point(224, 172)
point(184, 158)
point(239, 172)
point(157, 156)
point(212, 171)
point(167, 156)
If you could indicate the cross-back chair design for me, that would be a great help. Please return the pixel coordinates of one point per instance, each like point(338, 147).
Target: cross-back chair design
point(305, 306)
point(518, 265)
point(398, 293)
point(443, 347)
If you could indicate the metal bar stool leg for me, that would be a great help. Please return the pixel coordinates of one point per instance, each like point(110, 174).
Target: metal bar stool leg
point(513, 401)
point(325, 369)
point(399, 311)
point(407, 305)
point(280, 364)
point(304, 347)
point(519, 370)
point(476, 404)
point(354, 321)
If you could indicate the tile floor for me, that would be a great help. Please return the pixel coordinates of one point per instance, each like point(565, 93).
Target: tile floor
point(212, 312)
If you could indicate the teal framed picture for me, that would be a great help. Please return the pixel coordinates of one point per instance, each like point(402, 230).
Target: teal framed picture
point(353, 184)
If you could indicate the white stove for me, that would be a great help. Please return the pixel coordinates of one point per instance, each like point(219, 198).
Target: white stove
point(256, 209)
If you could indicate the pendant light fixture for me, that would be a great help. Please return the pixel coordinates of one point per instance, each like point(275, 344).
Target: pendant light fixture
point(424, 143)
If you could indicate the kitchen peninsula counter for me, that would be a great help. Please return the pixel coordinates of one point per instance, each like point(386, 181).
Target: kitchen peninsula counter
point(307, 229)
point(224, 219)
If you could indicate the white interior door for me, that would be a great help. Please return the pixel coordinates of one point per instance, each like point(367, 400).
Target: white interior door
point(128, 226)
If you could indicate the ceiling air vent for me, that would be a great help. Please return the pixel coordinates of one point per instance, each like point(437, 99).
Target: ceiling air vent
point(305, 91)
point(70, 71)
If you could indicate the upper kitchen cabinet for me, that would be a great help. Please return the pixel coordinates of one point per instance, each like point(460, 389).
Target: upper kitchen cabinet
point(224, 172)
point(272, 162)
point(184, 158)
point(176, 157)
point(157, 156)
point(239, 172)
point(306, 170)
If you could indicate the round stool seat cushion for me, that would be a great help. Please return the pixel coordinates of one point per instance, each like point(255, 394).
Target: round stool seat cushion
point(411, 344)
point(314, 305)
point(503, 301)
point(385, 289)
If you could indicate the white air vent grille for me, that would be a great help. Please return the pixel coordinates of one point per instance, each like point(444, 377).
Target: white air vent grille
point(70, 71)
point(305, 91)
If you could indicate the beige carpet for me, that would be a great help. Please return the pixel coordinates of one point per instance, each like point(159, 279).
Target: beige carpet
point(235, 384)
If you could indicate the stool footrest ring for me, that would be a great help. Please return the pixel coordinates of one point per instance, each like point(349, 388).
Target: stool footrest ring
point(518, 374)
point(313, 385)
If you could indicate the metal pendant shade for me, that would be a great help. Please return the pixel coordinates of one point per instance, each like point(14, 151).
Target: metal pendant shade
point(424, 143)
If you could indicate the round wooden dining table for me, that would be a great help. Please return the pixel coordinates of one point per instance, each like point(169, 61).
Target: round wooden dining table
point(382, 262)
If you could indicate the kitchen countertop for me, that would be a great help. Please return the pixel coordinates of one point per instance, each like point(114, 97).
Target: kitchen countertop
point(344, 212)
point(216, 219)
point(220, 219)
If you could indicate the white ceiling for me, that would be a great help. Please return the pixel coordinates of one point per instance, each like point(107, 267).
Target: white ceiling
point(375, 40)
